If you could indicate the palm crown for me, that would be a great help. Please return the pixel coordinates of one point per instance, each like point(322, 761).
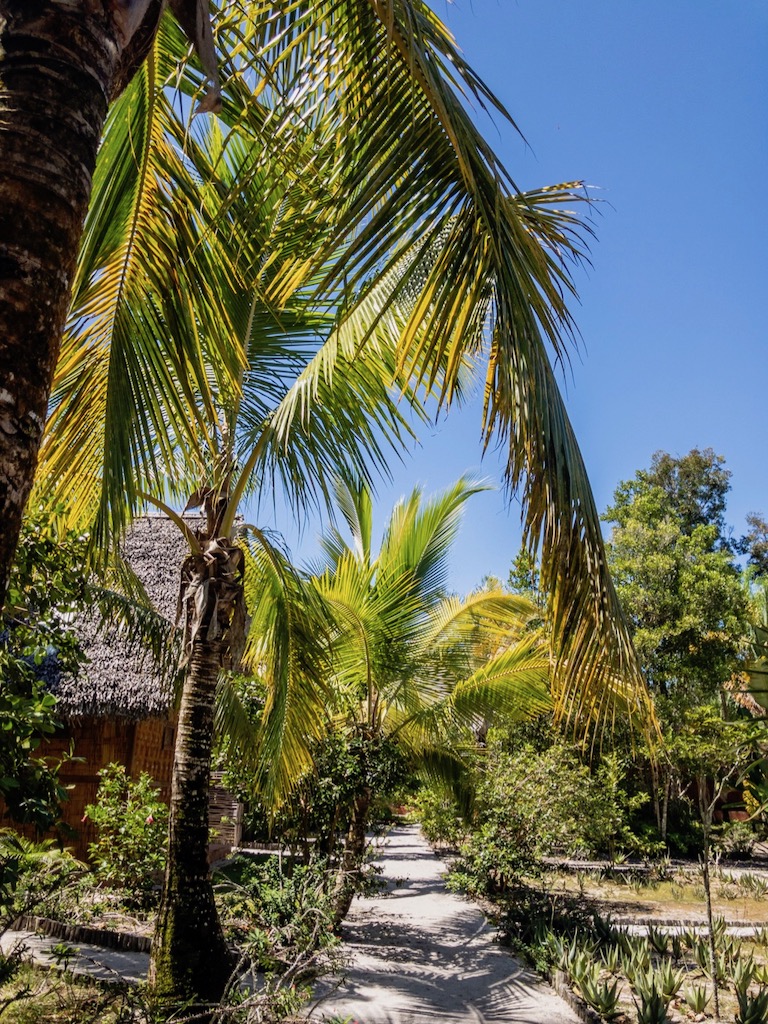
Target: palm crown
point(388, 211)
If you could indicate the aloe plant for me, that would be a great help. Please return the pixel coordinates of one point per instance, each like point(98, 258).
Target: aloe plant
point(611, 957)
point(743, 974)
point(652, 1008)
point(753, 1009)
point(637, 963)
point(602, 997)
point(583, 970)
point(689, 938)
point(669, 980)
point(697, 997)
point(658, 939)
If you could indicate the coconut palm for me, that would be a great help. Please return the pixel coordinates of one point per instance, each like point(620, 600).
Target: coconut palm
point(200, 351)
point(497, 278)
point(303, 402)
point(412, 665)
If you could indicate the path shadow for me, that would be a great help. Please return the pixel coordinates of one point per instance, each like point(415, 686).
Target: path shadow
point(420, 954)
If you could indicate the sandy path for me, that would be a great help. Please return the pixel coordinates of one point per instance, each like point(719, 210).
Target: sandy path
point(420, 954)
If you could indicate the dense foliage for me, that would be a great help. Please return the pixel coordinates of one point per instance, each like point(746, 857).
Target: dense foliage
point(37, 644)
point(676, 575)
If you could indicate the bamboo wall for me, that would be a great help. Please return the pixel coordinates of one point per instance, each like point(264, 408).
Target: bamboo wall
point(144, 746)
point(141, 746)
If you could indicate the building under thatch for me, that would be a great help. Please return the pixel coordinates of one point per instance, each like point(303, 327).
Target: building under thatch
point(119, 708)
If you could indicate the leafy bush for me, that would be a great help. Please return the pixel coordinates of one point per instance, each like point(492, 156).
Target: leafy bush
point(275, 908)
point(440, 821)
point(37, 644)
point(532, 802)
point(30, 874)
point(736, 840)
point(132, 824)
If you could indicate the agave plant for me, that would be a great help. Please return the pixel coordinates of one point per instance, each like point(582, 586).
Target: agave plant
point(611, 957)
point(602, 997)
point(669, 980)
point(697, 997)
point(651, 1007)
point(743, 974)
point(753, 1009)
point(659, 939)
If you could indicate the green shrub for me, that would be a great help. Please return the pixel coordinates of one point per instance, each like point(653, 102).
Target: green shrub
point(31, 874)
point(737, 839)
point(439, 818)
point(132, 824)
point(277, 909)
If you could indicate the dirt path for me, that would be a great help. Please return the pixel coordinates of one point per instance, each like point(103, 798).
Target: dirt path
point(420, 954)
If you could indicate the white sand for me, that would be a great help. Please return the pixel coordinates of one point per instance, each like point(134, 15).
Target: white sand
point(420, 954)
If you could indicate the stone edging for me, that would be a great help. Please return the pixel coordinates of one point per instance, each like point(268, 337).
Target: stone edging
point(677, 922)
point(583, 1011)
point(130, 941)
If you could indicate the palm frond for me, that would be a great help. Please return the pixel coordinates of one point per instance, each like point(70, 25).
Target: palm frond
point(286, 648)
point(515, 683)
point(415, 176)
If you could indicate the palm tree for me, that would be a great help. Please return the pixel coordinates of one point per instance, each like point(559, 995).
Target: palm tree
point(497, 278)
point(60, 65)
point(174, 428)
point(410, 664)
point(200, 348)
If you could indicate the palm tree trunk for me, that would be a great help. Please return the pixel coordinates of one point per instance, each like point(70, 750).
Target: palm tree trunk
point(56, 72)
point(60, 63)
point(190, 958)
point(351, 858)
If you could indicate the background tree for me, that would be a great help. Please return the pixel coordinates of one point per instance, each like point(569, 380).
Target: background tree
point(676, 575)
point(754, 544)
point(37, 644)
point(681, 589)
point(412, 668)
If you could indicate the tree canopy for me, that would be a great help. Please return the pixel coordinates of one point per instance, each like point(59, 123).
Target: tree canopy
point(676, 575)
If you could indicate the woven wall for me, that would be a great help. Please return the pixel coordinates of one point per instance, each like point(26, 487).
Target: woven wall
point(140, 746)
point(144, 746)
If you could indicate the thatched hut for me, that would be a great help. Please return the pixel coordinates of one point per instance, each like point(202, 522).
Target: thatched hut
point(120, 705)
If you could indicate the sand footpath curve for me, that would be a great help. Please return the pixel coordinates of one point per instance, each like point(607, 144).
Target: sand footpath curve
point(420, 954)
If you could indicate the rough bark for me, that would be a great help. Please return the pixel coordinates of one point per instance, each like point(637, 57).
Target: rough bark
point(190, 958)
point(60, 64)
point(56, 69)
point(352, 858)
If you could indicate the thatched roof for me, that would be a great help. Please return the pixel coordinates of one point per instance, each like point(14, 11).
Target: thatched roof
point(120, 679)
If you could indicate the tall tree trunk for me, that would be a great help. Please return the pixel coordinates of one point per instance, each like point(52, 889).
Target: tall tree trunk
point(352, 857)
point(56, 68)
point(60, 63)
point(665, 808)
point(190, 959)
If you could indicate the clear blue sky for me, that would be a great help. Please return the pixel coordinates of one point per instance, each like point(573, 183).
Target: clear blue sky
point(663, 105)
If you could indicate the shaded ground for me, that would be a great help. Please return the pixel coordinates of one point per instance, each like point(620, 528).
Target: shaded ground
point(420, 954)
point(80, 958)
